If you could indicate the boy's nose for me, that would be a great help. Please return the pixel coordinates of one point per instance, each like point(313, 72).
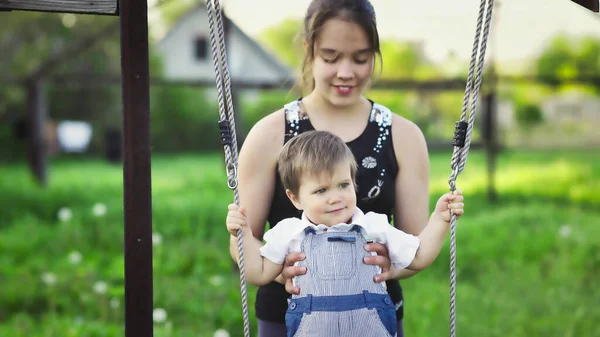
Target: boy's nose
point(335, 198)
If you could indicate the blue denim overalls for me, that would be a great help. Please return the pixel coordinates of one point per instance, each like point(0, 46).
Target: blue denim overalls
point(338, 297)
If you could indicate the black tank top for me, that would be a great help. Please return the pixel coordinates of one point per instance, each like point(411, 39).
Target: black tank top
point(376, 176)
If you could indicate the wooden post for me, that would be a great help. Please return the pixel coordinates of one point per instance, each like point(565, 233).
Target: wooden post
point(136, 168)
point(36, 111)
point(490, 141)
point(107, 7)
point(237, 111)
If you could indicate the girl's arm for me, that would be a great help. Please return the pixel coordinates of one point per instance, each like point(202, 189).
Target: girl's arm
point(256, 173)
point(412, 183)
point(412, 193)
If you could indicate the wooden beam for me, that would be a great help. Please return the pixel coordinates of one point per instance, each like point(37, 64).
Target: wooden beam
point(100, 79)
point(36, 121)
point(592, 5)
point(105, 7)
point(85, 79)
point(135, 88)
point(95, 80)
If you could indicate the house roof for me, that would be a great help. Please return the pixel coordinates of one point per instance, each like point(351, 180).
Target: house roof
point(254, 45)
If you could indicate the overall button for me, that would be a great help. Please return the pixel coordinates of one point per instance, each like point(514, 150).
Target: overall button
point(292, 305)
point(387, 300)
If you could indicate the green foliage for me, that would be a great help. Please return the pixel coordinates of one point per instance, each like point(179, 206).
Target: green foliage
point(61, 250)
point(28, 39)
point(268, 102)
point(172, 11)
point(182, 118)
point(567, 57)
point(529, 114)
point(285, 41)
point(405, 60)
point(400, 59)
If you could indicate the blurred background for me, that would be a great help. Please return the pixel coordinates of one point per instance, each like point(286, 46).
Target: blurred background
point(528, 249)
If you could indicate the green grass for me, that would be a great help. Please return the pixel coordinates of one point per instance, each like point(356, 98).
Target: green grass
point(527, 263)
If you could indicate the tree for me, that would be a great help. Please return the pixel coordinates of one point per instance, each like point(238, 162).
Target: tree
point(567, 57)
point(284, 40)
point(557, 60)
point(400, 60)
point(588, 56)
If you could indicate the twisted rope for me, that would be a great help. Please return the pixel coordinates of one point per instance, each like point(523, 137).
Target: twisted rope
point(459, 156)
point(226, 113)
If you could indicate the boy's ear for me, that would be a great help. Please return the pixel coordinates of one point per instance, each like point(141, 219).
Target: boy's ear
point(293, 199)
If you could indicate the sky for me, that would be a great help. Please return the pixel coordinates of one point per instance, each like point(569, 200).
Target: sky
point(522, 25)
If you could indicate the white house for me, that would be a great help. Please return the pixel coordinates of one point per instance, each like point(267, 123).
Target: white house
point(572, 107)
point(186, 52)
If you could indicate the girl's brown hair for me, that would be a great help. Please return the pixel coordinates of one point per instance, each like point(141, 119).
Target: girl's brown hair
point(360, 12)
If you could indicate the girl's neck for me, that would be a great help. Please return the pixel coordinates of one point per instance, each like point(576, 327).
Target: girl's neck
point(315, 103)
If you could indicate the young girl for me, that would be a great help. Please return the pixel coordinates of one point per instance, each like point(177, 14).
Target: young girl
point(342, 44)
point(337, 297)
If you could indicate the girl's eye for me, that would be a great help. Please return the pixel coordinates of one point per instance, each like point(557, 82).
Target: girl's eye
point(344, 185)
point(328, 60)
point(361, 61)
point(320, 191)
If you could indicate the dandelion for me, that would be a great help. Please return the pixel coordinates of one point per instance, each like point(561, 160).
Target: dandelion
point(221, 333)
point(565, 231)
point(159, 315)
point(216, 280)
point(49, 279)
point(75, 257)
point(65, 214)
point(99, 209)
point(156, 239)
point(100, 287)
point(69, 20)
point(115, 303)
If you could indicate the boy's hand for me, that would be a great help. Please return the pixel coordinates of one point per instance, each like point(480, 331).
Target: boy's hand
point(450, 203)
point(236, 219)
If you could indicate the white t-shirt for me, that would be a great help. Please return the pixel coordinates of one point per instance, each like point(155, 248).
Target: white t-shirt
point(286, 237)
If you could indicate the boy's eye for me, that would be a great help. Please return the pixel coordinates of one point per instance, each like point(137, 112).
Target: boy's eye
point(344, 185)
point(319, 191)
point(361, 61)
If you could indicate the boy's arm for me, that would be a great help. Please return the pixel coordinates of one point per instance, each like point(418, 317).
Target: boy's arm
point(432, 239)
point(259, 270)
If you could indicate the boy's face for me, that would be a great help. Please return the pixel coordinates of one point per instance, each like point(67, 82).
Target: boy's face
point(327, 199)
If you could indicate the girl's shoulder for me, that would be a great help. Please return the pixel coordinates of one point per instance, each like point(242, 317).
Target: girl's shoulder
point(402, 126)
point(381, 115)
point(268, 132)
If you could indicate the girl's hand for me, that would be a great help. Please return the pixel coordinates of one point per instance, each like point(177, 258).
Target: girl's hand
point(290, 271)
point(382, 259)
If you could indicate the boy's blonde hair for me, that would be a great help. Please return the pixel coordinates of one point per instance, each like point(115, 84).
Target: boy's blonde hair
point(312, 153)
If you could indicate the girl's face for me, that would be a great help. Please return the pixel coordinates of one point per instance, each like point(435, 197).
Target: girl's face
point(343, 62)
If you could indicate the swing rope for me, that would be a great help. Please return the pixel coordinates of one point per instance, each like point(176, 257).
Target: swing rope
point(462, 138)
point(461, 141)
point(227, 131)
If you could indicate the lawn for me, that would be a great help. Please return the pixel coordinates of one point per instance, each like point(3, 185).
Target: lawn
point(528, 263)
